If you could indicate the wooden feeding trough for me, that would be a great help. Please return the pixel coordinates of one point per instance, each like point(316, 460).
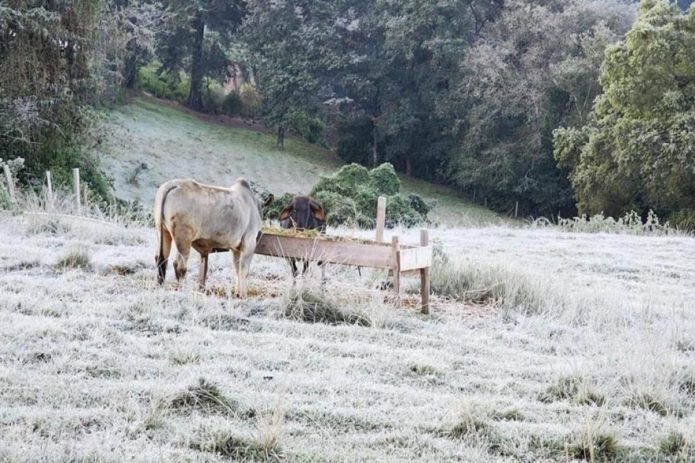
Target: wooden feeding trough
point(394, 256)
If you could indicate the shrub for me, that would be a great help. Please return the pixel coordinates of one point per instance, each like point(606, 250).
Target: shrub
point(340, 209)
point(384, 180)
point(350, 197)
point(251, 100)
point(232, 104)
point(162, 84)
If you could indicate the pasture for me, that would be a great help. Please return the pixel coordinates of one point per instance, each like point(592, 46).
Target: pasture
point(553, 346)
point(173, 142)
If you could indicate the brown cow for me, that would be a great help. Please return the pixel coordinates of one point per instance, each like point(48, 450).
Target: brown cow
point(208, 219)
point(304, 213)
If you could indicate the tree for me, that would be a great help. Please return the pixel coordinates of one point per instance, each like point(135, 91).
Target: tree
point(533, 69)
point(183, 44)
point(637, 150)
point(290, 47)
point(45, 83)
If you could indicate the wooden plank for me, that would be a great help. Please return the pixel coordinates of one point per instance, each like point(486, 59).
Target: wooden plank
point(76, 187)
point(396, 246)
point(380, 218)
point(425, 274)
point(415, 258)
point(333, 252)
point(10, 182)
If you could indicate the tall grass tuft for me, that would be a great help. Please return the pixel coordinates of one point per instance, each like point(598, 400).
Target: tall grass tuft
point(493, 285)
point(74, 259)
point(312, 308)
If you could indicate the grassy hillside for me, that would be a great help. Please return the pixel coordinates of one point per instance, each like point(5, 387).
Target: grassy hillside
point(588, 352)
point(174, 143)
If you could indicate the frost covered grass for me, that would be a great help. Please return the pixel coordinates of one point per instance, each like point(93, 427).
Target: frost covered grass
point(583, 347)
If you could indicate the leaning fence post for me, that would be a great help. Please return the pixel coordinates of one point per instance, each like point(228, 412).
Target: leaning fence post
point(380, 218)
point(76, 187)
point(425, 276)
point(10, 182)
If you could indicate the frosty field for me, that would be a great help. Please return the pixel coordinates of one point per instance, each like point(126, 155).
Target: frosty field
point(583, 347)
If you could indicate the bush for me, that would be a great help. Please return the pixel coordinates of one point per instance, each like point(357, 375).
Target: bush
point(350, 197)
point(251, 100)
point(232, 104)
point(340, 209)
point(162, 84)
point(384, 180)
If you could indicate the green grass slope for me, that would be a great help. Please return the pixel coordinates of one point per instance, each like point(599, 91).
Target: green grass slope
point(173, 142)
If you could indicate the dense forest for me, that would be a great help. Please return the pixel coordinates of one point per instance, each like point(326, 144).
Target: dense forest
point(548, 106)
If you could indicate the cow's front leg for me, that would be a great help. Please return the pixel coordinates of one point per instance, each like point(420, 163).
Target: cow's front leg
point(244, 266)
point(203, 271)
point(236, 259)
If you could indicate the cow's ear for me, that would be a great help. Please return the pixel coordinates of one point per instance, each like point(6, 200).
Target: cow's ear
point(317, 210)
point(269, 200)
point(285, 213)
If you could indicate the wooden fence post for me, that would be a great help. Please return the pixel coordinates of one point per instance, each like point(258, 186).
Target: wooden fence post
point(396, 246)
point(76, 187)
point(10, 182)
point(380, 218)
point(49, 185)
point(425, 276)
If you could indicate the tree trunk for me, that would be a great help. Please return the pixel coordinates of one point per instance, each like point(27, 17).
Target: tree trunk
point(130, 72)
point(281, 138)
point(375, 149)
point(195, 97)
point(408, 167)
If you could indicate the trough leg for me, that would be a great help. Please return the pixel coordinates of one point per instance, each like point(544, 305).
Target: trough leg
point(425, 276)
point(395, 243)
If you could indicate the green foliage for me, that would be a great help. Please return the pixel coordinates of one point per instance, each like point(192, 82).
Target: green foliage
point(350, 197)
point(638, 148)
point(384, 181)
point(535, 69)
point(306, 126)
point(162, 84)
point(47, 86)
point(354, 139)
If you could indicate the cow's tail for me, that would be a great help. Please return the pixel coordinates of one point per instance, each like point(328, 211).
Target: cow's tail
point(161, 258)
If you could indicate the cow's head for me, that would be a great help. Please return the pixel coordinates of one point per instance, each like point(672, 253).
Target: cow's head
point(304, 214)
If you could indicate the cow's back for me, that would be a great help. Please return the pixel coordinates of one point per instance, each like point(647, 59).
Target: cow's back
point(218, 215)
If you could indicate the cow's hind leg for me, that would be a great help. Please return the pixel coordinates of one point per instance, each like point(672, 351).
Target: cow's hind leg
point(162, 257)
point(183, 248)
